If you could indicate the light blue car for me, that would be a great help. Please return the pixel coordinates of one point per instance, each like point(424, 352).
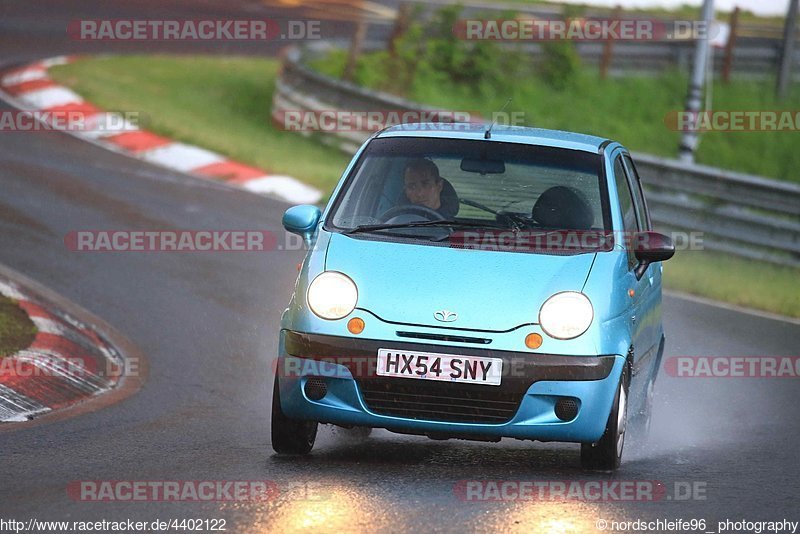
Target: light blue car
point(476, 283)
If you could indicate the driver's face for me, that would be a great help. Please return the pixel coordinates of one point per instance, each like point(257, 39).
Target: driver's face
point(423, 189)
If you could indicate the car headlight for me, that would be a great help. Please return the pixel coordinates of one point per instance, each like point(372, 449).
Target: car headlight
point(566, 315)
point(332, 295)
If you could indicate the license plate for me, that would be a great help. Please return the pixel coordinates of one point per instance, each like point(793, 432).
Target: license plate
point(443, 367)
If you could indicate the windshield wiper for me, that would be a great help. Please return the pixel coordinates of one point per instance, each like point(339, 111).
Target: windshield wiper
point(518, 222)
point(421, 224)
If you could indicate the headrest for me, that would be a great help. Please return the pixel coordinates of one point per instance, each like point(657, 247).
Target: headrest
point(563, 207)
point(449, 200)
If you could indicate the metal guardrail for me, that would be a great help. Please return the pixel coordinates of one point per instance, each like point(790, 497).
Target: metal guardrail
point(757, 53)
point(753, 59)
point(746, 215)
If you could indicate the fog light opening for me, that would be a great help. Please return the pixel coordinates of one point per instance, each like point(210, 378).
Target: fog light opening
point(567, 408)
point(315, 388)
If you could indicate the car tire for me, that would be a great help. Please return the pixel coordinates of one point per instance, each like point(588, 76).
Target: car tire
point(290, 436)
point(606, 454)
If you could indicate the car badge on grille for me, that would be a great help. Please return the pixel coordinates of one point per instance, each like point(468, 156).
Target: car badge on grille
point(445, 316)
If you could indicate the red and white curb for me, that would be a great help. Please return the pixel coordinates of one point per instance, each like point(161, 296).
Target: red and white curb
point(29, 88)
point(68, 362)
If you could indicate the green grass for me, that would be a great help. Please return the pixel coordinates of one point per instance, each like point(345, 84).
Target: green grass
point(631, 110)
point(16, 328)
point(222, 104)
point(737, 280)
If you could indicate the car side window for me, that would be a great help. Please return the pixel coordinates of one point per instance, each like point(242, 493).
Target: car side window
point(638, 197)
point(625, 198)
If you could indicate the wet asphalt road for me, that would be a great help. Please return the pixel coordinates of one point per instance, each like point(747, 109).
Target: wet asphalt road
point(208, 325)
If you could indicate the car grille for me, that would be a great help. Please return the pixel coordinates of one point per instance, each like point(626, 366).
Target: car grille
point(439, 401)
point(445, 337)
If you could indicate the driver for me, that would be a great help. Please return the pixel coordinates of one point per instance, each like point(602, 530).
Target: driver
point(422, 183)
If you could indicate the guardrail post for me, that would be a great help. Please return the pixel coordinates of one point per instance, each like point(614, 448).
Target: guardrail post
point(787, 56)
point(608, 48)
point(355, 50)
point(728, 63)
point(401, 24)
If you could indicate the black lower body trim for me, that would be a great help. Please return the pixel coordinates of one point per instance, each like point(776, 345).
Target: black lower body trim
point(439, 400)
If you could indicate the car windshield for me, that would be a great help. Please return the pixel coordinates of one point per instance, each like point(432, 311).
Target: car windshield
point(430, 188)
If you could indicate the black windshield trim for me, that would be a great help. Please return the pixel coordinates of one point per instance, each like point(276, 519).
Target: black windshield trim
point(391, 144)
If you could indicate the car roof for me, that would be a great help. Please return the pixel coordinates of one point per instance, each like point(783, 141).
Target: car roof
point(501, 133)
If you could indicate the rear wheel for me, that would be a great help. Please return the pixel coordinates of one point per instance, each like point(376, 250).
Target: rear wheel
point(290, 436)
point(606, 454)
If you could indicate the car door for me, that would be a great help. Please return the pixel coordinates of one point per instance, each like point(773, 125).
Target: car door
point(637, 289)
point(648, 287)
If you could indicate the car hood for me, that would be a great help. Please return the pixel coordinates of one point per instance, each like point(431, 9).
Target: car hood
point(488, 290)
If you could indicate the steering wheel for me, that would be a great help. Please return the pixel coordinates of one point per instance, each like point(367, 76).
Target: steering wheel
point(412, 209)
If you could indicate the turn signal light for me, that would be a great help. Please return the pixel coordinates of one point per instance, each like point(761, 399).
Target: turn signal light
point(533, 341)
point(355, 325)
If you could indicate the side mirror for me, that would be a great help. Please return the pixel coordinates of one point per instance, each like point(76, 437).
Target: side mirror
point(650, 247)
point(302, 220)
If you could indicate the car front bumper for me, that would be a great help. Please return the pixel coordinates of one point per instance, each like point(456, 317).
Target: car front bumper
point(523, 406)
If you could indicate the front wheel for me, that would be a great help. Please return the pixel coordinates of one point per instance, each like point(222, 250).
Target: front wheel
point(606, 454)
point(290, 436)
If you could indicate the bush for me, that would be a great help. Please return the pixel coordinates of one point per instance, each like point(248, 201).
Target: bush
point(560, 64)
point(432, 52)
point(434, 49)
